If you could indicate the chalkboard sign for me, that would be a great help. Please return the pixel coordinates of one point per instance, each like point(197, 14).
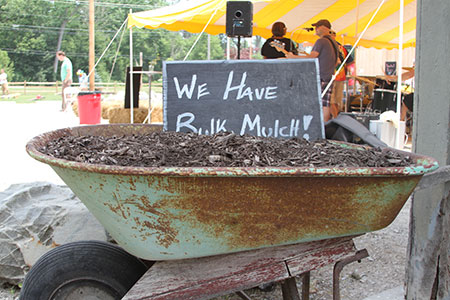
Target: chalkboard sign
point(272, 98)
point(390, 68)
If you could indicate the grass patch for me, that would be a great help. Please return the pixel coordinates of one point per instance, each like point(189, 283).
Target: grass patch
point(19, 95)
point(49, 93)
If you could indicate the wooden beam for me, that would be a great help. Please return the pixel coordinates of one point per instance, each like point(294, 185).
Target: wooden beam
point(207, 277)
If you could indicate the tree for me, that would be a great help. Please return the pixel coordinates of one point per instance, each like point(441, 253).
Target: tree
point(6, 64)
point(32, 31)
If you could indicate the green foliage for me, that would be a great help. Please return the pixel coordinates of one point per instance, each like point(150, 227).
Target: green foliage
point(200, 51)
point(6, 64)
point(30, 32)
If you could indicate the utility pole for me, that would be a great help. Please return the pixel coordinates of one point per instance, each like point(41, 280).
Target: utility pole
point(91, 46)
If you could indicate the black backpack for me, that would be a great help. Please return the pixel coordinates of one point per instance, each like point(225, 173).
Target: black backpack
point(336, 50)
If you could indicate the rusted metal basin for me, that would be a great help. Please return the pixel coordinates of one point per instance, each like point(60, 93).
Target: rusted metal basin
point(174, 213)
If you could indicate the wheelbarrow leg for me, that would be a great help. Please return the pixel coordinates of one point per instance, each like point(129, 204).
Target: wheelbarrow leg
point(340, 265)
point(289, 289)
point(305, 285)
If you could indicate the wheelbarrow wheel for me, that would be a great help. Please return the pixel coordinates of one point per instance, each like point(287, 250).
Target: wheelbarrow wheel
point(82, 270)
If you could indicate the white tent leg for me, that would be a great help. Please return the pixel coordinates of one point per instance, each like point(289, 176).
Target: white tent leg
point(131, 76)
point(228, 48)
point(399, 137)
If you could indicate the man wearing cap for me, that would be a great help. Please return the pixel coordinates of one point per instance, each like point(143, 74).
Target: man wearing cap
point(326, 51)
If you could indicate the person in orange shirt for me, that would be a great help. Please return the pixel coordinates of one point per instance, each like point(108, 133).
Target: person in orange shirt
point(336, 104)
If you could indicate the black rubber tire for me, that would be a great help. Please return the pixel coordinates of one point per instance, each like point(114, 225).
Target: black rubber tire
point(85, 266)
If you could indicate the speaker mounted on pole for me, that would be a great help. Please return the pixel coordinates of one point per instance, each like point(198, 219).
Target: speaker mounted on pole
point(239, 21)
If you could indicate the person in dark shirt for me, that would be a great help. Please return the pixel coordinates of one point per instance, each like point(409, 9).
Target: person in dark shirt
point(278, 31)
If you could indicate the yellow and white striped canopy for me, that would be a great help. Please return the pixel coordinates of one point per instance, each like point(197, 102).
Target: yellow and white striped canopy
point(348, 18)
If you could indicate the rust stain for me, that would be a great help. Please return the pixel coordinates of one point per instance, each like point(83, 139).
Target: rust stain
point(132, 186)
point(119, 208)
point(154, 220)
point(250, 212)
point(386, 211)
point(165, 234)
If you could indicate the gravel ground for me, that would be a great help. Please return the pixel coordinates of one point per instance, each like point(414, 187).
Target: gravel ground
point(383, 270)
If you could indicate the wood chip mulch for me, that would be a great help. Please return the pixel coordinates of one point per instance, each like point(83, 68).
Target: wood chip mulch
point(161, 149)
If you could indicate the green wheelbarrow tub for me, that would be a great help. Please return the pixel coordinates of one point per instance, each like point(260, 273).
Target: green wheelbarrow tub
point(164, 213)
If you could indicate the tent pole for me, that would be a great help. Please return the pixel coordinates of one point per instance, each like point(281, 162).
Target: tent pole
point(208, 55)
point(131, 75)
point(357, 18)
point(356, 35)
point(239, 47)
point(399, 137)
point(228, 48)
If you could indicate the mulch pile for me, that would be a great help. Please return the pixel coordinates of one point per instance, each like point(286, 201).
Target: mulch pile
point(174, 149)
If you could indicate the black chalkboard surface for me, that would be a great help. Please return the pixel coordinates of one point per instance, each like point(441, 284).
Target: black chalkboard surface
point(277, 98)
point(390, 68)
point(136, 87)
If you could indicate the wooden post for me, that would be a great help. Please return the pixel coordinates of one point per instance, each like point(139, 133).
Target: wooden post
point(24, 87)
point(56, 85)
point(91, 45)
point(427, 270)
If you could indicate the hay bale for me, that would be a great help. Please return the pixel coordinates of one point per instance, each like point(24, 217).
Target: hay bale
point(75, 107)
point(156, 115)
point(116, 101)
point(107, 105)
point(122, 115)
point(110, 104)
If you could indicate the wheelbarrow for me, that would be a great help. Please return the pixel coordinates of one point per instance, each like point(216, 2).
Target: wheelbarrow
point(174, 213)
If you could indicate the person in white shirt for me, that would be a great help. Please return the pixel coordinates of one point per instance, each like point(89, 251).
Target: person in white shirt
point(4, 82)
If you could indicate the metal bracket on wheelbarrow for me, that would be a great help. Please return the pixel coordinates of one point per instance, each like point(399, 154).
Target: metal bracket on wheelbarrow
point(289, 286)
point(208, 277)
point(340, 265)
